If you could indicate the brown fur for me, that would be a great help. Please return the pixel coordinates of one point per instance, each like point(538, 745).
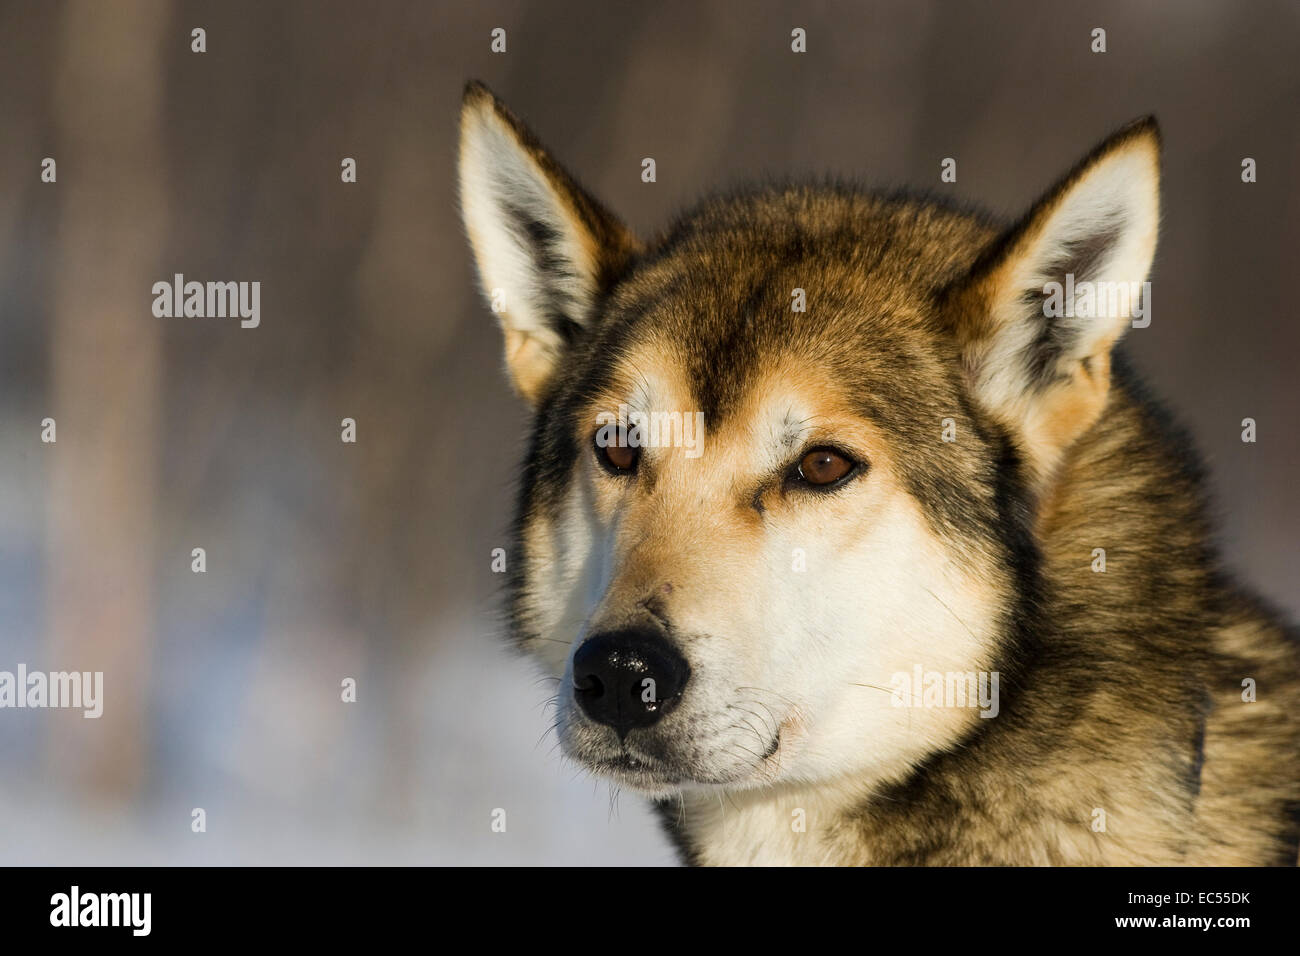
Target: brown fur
point(1122, 690)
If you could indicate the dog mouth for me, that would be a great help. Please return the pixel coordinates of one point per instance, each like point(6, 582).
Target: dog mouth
point(637, 771)
point(627, 762)
point(656, 776)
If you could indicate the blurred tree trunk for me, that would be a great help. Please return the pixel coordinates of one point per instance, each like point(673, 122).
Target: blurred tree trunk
point(105, 379)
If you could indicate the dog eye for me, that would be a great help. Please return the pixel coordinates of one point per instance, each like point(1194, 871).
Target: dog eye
point(617, 456)
point(824, 466)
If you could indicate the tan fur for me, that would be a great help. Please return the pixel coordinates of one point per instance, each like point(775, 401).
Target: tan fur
point(795, 607)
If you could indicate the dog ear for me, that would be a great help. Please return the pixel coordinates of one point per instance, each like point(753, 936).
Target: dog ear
point(1042, 309)
point(545, 249)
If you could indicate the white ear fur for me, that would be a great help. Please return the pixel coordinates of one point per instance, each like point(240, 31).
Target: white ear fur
point(543, 247)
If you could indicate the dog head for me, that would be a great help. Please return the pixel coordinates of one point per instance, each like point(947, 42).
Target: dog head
point(788, 450)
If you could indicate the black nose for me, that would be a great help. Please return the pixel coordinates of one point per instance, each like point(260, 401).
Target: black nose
point(627, 679)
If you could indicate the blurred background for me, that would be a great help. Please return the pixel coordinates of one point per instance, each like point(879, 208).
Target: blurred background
point(371, 560)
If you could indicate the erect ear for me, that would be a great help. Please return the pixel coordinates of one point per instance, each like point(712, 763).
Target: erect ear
point(545, 249)
point(1041, 311)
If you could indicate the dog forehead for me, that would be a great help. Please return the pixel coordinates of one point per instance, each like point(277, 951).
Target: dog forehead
point(734, 349)
point(774, 396)
point(725, 307)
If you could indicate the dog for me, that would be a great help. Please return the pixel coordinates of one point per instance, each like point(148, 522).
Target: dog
point(850, 537)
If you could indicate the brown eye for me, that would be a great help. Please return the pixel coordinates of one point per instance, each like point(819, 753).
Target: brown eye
point(824, 466)
point(614, 452)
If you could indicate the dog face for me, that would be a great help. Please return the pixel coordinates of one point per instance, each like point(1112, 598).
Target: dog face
point(788, 451)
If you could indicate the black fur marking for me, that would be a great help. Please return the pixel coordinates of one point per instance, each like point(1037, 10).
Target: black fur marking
point(669, 813)
point(1056, 340)
point(544, 246)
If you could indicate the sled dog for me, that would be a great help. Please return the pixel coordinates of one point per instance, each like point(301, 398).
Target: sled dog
point(934, 581)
